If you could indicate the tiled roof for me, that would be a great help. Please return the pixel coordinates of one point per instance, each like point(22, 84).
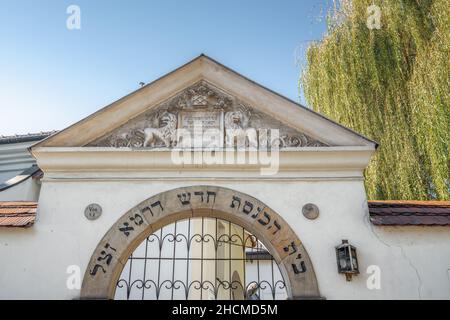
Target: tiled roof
point(409, 213)
point(383, 213)
point(25, 137)
point(17, 214)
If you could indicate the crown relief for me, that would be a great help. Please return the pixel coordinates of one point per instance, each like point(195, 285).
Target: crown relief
point(157, 128)
point(198, 96)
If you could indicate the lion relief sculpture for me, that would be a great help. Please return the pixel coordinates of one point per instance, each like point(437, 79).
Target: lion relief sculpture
point(237, 131)
point(166, 132)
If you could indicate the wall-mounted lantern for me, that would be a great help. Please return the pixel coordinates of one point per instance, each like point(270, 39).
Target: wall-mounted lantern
point(347, 260)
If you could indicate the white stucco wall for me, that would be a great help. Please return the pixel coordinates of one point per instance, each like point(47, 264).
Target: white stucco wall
point(413, 261)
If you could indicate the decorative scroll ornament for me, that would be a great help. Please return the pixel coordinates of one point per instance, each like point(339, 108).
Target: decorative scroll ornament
point(213, 109)
point(249, 256)
point(298, 140)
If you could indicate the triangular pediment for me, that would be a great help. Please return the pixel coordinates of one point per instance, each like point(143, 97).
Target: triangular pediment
point(203, 108)
point(202, 91)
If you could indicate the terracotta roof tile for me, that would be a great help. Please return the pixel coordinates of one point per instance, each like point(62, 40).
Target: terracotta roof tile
point(409, 213)
point(17, 214)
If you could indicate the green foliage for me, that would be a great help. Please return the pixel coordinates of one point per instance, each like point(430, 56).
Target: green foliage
point(393, 85)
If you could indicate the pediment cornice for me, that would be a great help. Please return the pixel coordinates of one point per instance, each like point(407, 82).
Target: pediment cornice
point(209, 108)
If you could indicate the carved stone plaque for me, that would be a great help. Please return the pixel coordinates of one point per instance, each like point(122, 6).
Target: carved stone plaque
point(203, 126)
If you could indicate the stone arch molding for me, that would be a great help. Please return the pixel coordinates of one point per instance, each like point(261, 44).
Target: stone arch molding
point(134, 226)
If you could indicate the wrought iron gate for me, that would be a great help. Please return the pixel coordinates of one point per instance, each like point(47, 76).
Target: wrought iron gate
point(201, 258)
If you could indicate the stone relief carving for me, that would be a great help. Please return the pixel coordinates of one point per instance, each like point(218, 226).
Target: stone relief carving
point(200, 95)
point(165, 133)
point(299, 140)
point(202, 102)
point(156, 130)
point(237, 127)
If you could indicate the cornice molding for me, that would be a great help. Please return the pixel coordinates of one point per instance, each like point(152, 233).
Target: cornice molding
point(334, 161)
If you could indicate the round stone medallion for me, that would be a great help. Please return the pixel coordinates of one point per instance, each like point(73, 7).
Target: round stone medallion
point(310, 211)
point(93, 211)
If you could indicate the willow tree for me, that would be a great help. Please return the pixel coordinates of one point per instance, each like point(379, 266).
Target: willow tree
point(390, 82)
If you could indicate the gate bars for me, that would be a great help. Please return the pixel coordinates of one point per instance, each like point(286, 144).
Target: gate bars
point(201, 258)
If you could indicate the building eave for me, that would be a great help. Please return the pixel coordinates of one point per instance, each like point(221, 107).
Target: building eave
point(129, 162)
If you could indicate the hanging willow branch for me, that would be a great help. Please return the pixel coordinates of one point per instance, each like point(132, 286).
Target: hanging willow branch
point(393, 85)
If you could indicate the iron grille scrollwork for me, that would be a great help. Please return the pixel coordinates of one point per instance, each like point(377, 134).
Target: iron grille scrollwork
point(201, 258)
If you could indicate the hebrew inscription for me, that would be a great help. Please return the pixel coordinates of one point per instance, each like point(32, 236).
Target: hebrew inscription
point(103, 260)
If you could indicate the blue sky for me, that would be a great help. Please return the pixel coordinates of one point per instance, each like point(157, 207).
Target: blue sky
point(51, 77)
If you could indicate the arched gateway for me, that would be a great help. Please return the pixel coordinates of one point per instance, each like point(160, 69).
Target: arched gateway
point(113, 251)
